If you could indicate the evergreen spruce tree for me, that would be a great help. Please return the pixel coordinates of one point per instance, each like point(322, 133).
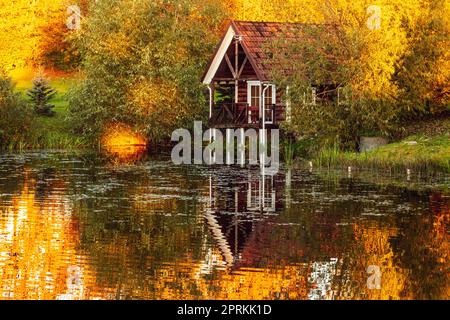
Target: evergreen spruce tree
point(40, 95)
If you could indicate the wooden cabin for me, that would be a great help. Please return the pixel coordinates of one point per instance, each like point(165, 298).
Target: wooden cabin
point(241, 92)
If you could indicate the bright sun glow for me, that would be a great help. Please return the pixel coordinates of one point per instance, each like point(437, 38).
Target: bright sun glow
point(122, 142)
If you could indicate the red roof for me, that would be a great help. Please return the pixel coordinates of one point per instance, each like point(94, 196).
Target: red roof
point(257, 38)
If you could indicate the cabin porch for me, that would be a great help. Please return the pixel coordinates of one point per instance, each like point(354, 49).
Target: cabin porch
point(244, 104)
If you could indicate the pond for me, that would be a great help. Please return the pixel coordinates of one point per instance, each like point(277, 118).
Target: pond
point(79, 226)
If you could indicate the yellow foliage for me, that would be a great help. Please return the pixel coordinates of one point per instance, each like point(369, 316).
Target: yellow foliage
point(157, 99)
point(378, 251)
point(152, 96)
point(21, 26)
point(306, 11)
point(386, 44)
point(36, 238)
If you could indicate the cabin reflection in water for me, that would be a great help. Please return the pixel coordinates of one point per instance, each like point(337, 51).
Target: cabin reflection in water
point(238, 203)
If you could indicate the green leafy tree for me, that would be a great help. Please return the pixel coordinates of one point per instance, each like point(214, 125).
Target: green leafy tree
point(40, 95)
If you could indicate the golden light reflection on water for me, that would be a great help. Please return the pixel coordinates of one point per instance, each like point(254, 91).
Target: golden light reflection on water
point(38, 244)
point(122, 144)
point(375, 250)
point(131, 154)
point(44, 257)
point(55, 247)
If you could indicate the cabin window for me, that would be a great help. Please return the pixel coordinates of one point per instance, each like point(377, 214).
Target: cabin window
point(255, 94)
point(269, 98)
point(310, 97)
point(327, 93)
point(253, 99)
point(269, 101)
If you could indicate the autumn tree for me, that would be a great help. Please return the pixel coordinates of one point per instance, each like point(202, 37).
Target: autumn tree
point(305, 11)
point(142, 62)
point(350, 60)
point(423, 72)
point(20, 30)
point(56, 48)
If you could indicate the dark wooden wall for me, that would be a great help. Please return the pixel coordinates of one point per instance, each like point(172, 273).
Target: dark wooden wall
point(224, 75)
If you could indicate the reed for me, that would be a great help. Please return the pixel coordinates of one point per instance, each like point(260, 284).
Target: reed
point(416, 153)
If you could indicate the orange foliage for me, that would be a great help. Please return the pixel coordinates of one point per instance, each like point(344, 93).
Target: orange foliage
point(122, 142)
point(40, 239)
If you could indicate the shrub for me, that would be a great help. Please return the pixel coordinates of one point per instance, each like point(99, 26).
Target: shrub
point(16, 119)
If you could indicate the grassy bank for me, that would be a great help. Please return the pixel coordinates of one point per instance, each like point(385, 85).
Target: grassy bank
point(417, 153)
point(51, 132)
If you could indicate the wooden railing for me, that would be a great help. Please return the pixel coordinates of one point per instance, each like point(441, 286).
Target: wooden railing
point(229, 114)
point(232, 114)
point(223, 113)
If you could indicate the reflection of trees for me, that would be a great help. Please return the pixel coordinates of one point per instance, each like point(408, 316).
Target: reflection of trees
point(410, 248)
point(145, 225)
point(422, 247)
point(143, 248)
point(141, 232)
point(277, 257)
point(38, 242)
point(371, 246)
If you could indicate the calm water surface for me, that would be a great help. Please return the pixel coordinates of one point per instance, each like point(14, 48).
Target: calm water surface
point(76, 226)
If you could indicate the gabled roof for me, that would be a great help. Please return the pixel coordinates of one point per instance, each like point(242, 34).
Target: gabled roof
point(257, 38)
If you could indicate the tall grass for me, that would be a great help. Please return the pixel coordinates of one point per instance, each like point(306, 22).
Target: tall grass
point(329, 156)
point(49, 132)
point(289, 152)
point(424, 154)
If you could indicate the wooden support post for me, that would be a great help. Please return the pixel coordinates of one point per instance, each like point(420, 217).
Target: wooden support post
point(288, 106)
point(210, 100)
point(236, 68)
point(233, 72)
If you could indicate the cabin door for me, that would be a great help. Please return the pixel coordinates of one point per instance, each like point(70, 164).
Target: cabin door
point(254, 100)
point(269, 103)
